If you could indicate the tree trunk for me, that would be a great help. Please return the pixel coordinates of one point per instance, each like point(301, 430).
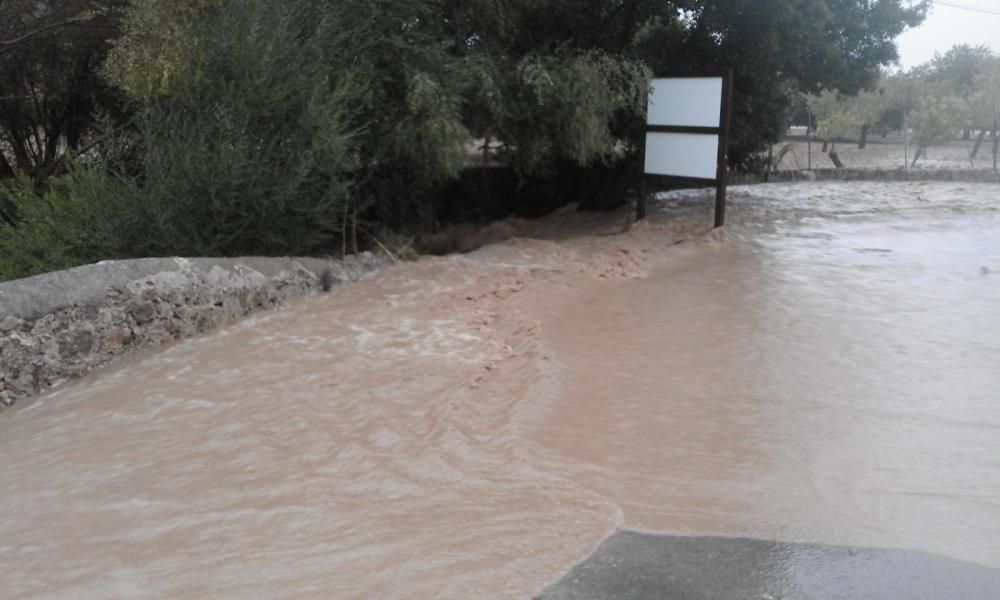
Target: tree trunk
point(916, 156)
point(979, 142)
point(6, 171)
point(22, 158)
point(781, 155)
point(835, 157)
point(7, 212)
point(354, 227)
point(996, 145)
point(864, 137)
point(6, 216)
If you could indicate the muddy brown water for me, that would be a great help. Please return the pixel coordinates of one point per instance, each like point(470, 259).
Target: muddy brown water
point(472, 426)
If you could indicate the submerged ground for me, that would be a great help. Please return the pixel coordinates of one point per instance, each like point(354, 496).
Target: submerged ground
point(472, 426)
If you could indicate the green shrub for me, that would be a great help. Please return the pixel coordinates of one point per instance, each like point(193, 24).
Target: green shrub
point(560, 107)
point(282, 122)
point(249, 150)
point(75, 220)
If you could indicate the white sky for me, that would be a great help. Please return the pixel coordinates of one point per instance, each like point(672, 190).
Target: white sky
point(947, 26)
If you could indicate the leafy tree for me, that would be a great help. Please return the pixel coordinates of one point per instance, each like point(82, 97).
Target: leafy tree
point(409, 106)
point(50, 84)
point(18, 14)
point(935, 120)
point(560, 107)
point(552, 81)
point(417, 90)
point(776, 47)
point(280, 126)
point(902, 92)
point(985, 93)
point(401, 90)
point(957, 68)
point(984, 101)
point(779, 48)
point(63, 222)
point(249, 149)
point(839, 116)
point(158, 45)
point(964, 80)
point(554, 85)
point(956, 71)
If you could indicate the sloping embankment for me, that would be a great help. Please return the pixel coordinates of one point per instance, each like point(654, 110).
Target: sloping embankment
point(61, 325)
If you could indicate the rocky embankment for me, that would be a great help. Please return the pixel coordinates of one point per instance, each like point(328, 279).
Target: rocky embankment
point(60, 325)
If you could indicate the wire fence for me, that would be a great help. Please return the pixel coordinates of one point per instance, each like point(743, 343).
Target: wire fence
point(798, 152)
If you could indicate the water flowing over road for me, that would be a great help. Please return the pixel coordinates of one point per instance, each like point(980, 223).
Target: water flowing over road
point(471, 426)
point(832, 375)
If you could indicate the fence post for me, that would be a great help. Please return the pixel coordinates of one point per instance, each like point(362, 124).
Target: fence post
point(996, 143)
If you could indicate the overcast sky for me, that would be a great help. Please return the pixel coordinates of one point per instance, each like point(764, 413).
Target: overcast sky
point(949, 23)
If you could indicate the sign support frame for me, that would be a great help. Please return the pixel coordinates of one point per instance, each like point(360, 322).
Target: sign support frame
point(722, 131)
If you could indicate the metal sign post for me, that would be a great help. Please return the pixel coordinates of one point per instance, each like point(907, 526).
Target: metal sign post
point(687, 136)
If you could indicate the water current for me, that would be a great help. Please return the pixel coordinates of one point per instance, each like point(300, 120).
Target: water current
point(471, 426)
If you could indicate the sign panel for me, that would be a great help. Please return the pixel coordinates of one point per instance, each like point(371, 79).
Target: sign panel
point(683, 120)
point(692, 155)
point(687, 135)
point(686, 101)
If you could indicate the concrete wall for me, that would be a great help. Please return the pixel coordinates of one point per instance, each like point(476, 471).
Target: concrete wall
point(61, 325)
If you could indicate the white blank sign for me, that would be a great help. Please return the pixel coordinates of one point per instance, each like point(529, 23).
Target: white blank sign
point(686, 101)
point(682, 154)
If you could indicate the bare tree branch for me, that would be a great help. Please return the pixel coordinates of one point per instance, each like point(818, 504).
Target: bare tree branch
point(6, 45)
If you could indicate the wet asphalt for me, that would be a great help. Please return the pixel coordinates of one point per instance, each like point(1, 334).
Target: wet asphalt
point(631, 565)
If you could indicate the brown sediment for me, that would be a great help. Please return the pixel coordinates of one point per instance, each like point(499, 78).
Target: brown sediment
point(471, 426)
point(363, 442)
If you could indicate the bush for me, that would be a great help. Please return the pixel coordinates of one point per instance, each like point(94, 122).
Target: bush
point(937, 118)
point(75, 220)
point(249, 149)
point(400, 103)
point(557, 108)
point(280, 123)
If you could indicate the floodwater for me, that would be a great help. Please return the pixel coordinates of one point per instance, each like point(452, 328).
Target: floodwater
point(470, 427)
point(832, 375)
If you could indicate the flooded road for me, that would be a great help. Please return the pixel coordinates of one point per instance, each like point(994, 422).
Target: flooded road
point(833, 375)
point(470, 427)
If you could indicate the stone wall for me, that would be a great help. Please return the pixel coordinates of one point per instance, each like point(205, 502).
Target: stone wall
point(61, 325)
